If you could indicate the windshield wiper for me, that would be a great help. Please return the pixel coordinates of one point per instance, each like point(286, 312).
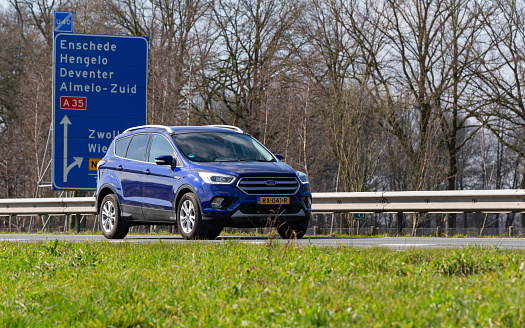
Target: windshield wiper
point(254, 160)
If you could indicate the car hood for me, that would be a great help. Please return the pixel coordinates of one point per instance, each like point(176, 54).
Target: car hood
point(248, 169)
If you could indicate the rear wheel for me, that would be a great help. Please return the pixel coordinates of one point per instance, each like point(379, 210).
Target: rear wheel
point(294, 230)
point(111, 223)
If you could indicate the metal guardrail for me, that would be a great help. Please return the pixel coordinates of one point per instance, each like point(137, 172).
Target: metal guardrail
point(449, 201)
point(457, 201)
point(41, 206)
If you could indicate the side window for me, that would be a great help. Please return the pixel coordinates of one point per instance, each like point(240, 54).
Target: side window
point(137, 147)
point(160, 146)
point(121, 145)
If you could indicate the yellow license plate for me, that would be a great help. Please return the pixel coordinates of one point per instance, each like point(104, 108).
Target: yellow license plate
point(273, 200)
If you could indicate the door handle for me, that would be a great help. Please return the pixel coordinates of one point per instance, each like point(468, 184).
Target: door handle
point(120, 168)
point(148, 172)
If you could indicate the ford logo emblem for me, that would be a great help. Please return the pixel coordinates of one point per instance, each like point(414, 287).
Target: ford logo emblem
point(271, 183)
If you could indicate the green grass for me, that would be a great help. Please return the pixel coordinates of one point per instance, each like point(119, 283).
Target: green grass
point(240, 285)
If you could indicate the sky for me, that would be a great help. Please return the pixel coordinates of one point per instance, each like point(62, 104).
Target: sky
point(3, 4)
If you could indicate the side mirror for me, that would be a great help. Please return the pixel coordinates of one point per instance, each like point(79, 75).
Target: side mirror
point(279, 157)
point(166, 160)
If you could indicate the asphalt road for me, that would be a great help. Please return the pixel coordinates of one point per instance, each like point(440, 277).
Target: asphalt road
point(398, 243)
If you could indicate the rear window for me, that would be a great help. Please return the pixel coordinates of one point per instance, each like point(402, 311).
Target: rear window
point(121, 145)
point(137, 147)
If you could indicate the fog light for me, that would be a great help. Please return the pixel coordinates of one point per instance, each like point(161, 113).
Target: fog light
point(217, 202)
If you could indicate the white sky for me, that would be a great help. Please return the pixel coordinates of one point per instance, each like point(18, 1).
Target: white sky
point(3, 4)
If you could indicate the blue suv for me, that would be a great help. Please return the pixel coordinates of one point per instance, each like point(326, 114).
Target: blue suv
point(202, 178)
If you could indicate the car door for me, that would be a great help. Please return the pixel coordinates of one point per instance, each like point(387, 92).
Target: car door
point(159, 181)
point(131, 170)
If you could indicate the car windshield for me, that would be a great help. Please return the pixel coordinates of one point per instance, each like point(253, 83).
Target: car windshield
point(221, 147)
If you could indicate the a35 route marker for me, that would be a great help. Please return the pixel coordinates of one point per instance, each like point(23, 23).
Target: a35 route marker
point(78, 103)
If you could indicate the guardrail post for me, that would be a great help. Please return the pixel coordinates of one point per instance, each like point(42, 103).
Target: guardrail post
point(97, 223)
point(66, 223)
point(450, 223)
point(77, 222)
point(12, 218)
point(399, 223)
point(522, 225)
point(511, 231)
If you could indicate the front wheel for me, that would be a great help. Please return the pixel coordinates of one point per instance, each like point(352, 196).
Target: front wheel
point(292, 230)
point(189, 218)
point(111, 223)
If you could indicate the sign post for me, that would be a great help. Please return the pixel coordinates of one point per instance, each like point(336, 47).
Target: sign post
point(100, 88)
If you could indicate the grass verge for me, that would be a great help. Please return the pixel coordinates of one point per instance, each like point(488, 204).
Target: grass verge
point(241, 285)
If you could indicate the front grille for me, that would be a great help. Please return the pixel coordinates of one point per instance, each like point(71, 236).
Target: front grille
point(270, 209)
point(269, 186)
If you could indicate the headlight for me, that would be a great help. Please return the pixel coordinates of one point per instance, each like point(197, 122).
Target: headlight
point(302, 177)
point(216, 178)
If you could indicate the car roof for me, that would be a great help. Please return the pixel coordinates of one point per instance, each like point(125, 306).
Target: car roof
point(182, 129)
point(189, 129)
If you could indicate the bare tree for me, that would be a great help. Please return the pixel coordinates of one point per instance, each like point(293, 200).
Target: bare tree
point(501, 78)
point(252, 37)
point(38, 15)
point(11, 67)
point(332, 62)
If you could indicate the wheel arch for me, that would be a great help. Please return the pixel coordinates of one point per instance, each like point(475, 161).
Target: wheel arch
point(104, 191)
point(184, 189)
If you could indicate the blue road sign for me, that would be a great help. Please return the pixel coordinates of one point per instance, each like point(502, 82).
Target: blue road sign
point(62, 21)
point(100, 88)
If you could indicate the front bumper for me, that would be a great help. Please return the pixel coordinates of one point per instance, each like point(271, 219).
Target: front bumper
point(242, 220)
point(245, 212)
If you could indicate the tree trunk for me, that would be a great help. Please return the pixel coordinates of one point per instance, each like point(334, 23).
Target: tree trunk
point(522, 186)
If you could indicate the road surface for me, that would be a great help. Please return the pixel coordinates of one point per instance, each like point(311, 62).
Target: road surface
point(398, 243)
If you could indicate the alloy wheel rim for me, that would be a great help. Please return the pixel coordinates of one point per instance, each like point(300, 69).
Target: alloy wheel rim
point(108, 216)
point(187, 216)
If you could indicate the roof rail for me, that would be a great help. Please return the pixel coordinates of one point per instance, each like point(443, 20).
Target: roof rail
point(229, 127)
point(167, 128)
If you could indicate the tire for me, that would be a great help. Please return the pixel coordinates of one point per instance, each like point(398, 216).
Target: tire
point(111, 223)
point(213, 233)
point(292, 230)
point(189, 218)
